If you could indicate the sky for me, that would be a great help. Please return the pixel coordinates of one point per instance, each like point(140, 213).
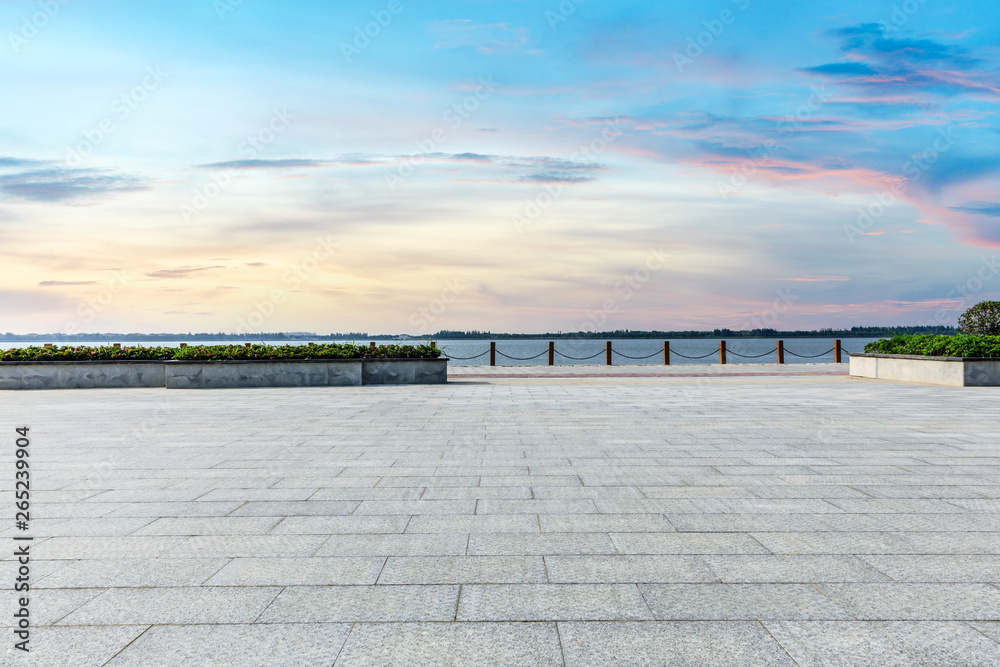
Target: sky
point(513, 166)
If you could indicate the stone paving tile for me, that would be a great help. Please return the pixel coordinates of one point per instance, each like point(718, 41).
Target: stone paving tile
point(450, 644)
point(357, 493)
point(604, 523)
point(954, 543)
point(738, 602)
point(903, 601)
point(272, 495)
point(334, 525)
point(494, 523)
point(476, 492)
point(742, 523)
point(627, 569)
point(560, 506)
point(792, 569)
point(175, 509)
point(73, 548)
point(835, 543)
point(649, 644)
point(350, 604)
point(247, 546)
point(134, 606)
point(210, 645)
point(293, 508)
point(527, 544)
point(989, 628)
point(72, 646)
point(417, 507)
point(686, 543)
point(222, 525)
point(463, 570)
point(298, 572)
point(131, 572)
point(395, 545)
point(883, 644)
point(78, 528)
point(560, 602)
point(929, 569)
point(48, 606)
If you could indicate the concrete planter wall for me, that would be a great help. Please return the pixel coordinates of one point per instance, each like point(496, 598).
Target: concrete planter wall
point(948, 371)
point(220, 374)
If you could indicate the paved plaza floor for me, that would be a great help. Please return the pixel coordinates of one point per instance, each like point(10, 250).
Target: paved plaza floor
point(681, 520)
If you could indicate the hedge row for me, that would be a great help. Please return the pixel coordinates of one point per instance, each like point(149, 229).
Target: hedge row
point(220, 352)
point(960, 345)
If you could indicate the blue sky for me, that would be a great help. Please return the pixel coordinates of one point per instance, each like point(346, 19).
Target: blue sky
point(514, 166)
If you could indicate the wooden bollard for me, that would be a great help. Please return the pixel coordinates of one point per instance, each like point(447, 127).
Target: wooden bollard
point(117, 346)
point(552, 353)
point(493, 353)
point(248, 345)
point(666, 353)
point(434, 343)
point(47, 345)
point(836, 351)
point(373, 345)
point(722, 352)
point(184, 344)
point(781, 351)
point(607, 354)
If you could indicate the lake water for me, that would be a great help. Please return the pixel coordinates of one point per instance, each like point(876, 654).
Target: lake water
point(458, 350)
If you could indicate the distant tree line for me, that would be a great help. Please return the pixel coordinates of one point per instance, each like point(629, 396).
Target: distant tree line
point(853, 332)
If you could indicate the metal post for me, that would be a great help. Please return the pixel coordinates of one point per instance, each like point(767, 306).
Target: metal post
point(722, 352)
point(493, 353)
point(666, 353)
point(552, 353)
point(781, 351)
point(836, 351)
point(607, 353)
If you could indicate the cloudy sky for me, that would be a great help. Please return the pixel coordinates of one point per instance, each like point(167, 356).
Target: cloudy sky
point(201, 165)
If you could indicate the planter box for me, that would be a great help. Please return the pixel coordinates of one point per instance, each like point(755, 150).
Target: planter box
point(220, 374)
point(80, 374)
point(948, 371)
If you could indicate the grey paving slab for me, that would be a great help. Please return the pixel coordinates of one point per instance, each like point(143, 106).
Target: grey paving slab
point(561, 602)
point(148, 572)
point(463, 570)
point(339, 525)
point(883, 644)
point(906, 601)
point(210, 645)
point(73, 548)
point(49, 606)
point(835, 543)
point(627, 569)
point(736, 602)
point(222, 525)
point(931, 568)
point(395, 545)
point(449, 644)
point(247, 546)
point(687, 543)
point(298, 572)
point(649, 644)
point(792, 569)
point(133, 606)
point(293, 508)
point(527, 544)
point(350, 604)
point(494, 523)
point(71, 647)
point(604, 523)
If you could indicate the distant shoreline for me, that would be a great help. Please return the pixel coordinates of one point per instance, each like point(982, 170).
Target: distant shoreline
point(854, 332)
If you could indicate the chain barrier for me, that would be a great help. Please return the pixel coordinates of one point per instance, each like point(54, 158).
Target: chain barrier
point(465, 358)
point(657, 353)
point(520, 359)
point(753, 356)
point(810, 356)
point(674, 353)
point(579, 358)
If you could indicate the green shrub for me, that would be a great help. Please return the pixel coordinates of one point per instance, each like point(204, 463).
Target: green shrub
point(220, 352)
point(960, 345)
point(982, 319)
